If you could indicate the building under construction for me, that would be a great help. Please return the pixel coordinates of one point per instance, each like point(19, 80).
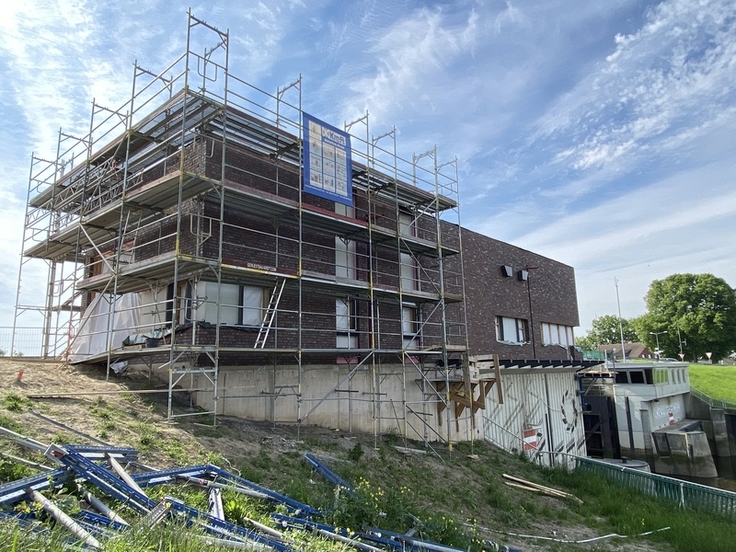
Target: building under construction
point(272, 265)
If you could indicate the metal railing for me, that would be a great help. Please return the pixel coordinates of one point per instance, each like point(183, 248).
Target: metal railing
point(28, 341)
point(684, 493)
point(710, 401)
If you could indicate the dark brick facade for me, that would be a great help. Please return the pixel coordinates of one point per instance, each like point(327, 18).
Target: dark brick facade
point(551, 287)
point(278, 243)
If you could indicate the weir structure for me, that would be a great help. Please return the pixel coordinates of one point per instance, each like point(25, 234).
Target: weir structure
point(179, 234)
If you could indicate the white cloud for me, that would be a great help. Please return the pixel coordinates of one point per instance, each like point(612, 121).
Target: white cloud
point(678, 69)
point(407, 58)
point(677, 224)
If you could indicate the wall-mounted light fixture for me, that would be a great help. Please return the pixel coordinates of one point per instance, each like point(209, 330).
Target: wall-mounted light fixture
point(507, 271)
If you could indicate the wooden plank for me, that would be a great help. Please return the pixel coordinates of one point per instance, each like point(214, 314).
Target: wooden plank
point(119, 392)
point(497, 370)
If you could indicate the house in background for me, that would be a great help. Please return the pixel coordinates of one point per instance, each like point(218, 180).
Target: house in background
point(282, 269)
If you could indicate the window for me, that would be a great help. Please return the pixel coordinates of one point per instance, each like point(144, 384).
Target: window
point(346, 324)
point(344, 258)
point(239, 305)
point(636, 376)
point(408, 269)
point(407, 263)
point(407, 224)
point(557, 334)
point(661, 375)
point(344, 248)
point(410, 326)
point(511, 330)
point(183, 301)
point(252, 306)
point(229, 303)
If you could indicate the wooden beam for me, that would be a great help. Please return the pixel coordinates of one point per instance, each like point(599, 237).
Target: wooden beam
point(118, 392)
point(497, 370)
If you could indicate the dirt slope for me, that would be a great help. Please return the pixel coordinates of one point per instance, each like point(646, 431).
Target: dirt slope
point(117, 415)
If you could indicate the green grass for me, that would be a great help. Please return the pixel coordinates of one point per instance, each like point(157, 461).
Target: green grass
point(718, 382)
point(15, 402)
point(458, 497)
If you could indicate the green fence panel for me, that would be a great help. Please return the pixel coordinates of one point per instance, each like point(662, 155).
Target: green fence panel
point(684, 493)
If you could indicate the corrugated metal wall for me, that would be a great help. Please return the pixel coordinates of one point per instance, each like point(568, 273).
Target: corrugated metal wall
point(541, 399)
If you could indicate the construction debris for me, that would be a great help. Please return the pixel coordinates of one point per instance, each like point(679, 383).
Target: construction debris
point(520, 483)
point(115, 473)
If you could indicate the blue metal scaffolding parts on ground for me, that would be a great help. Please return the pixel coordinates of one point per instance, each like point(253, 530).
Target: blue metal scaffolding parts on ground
point(96, 474)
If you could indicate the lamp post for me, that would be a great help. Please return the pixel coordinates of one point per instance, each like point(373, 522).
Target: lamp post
point(656, 335)
point(620, 322)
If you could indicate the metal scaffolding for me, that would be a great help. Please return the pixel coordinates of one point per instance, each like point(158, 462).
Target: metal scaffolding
point(178, 234)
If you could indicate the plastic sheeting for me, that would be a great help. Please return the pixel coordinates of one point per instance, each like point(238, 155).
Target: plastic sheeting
point(105, 312)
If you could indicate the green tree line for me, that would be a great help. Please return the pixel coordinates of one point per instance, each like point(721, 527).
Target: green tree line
point(692, 314)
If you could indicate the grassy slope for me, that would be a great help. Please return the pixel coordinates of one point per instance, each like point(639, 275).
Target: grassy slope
point(463, 486)
point(716, 381)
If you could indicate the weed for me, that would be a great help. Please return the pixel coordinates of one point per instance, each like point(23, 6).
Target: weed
point(392, 439)
point(147, 435)
point(446, 530)
point(317, 442)
point(9, 423)
point(10, 471)
point(356, 453)
point(15, 402)
point(252, 474)
point(61, 439)
point(174, 449)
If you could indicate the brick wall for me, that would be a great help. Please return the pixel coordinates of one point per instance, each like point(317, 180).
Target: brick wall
point(263, 241)
point(489, 294)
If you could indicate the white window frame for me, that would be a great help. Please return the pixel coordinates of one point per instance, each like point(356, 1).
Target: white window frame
point(345, 250)
point(557, 334)
point(408, 264)
point(410, 332)
point(511, 330)
point(346, 334)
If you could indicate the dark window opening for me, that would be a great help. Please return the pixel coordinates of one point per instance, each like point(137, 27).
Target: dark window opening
point(637, 376)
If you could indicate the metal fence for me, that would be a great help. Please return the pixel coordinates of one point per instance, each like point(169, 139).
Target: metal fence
point(684, 493)
point(710, 401)
point(28, 341)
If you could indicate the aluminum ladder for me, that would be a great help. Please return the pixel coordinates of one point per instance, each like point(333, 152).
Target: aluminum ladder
point(267, 323)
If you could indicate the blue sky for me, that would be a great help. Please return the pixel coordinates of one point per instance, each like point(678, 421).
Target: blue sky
point(600, 134)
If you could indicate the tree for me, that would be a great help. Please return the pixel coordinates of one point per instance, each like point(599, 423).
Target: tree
point(697, 309)
point(607, 329)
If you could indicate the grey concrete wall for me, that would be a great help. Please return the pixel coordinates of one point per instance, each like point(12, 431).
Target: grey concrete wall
point(331, 398)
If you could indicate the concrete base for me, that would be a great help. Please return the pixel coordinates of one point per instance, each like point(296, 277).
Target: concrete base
point(682, 449)
point(385, 399)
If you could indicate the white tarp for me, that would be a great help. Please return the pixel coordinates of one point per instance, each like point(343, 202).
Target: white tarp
point(103, 313)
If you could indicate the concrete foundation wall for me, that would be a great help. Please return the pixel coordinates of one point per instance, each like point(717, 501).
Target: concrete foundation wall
point(684, 453)
point(331, 397)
